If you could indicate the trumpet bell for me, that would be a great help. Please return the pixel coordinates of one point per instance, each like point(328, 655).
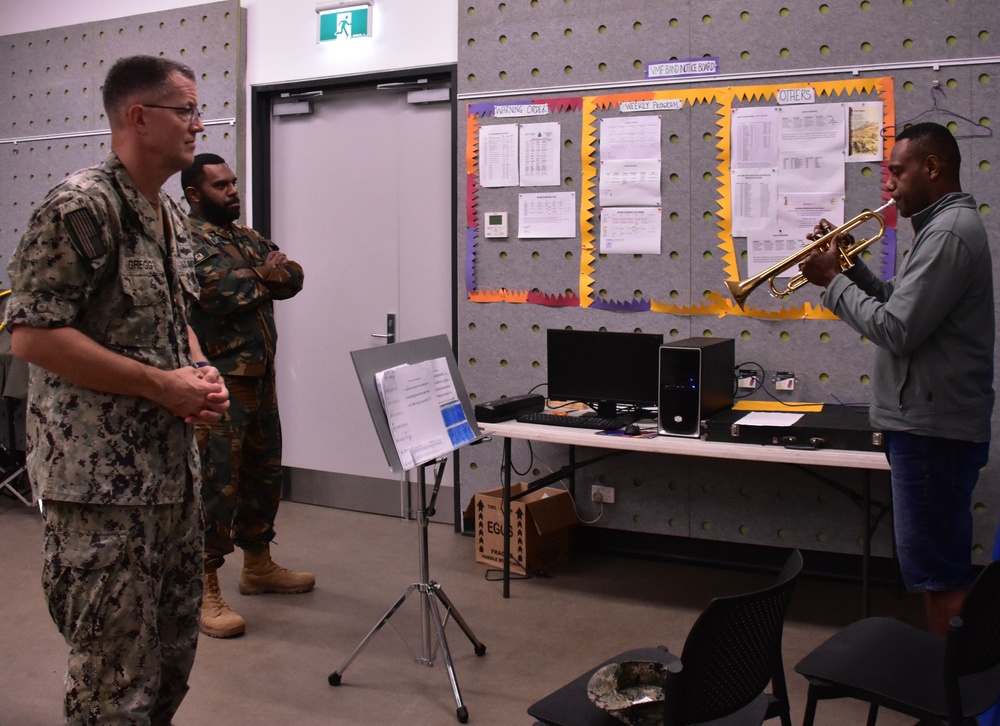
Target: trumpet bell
point(738, 291)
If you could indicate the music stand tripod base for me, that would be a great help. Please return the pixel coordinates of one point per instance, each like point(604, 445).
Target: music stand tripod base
point(431, 595)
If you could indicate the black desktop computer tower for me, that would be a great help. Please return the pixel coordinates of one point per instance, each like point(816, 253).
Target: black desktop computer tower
point(696, 380)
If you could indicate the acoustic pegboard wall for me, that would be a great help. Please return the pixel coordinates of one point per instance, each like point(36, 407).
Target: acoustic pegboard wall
point(506, 46)
point(53, 121)
point(939, 58)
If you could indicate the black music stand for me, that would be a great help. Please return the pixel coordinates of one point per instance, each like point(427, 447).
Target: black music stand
point(367, 363)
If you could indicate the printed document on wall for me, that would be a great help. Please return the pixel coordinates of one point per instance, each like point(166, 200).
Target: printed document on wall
point(812, 127)
point(800, 213)
point(632, 182)
point(425, 416)
point(630, 230)
point(498, 155)
point(631, 137)
point(768, 249)
point(811, 171)
point(539, 154)
point(811, 160)
point(798, 216)
point(754, 140)
point(754, 169)
point(754, 197)
point(864, 131)
point(550, 215)
point(787, 172)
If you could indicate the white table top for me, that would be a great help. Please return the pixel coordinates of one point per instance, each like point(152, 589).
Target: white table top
point(685, 446)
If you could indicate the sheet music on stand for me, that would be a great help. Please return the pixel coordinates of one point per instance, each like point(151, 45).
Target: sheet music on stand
point(425, 415)
point(442, 417)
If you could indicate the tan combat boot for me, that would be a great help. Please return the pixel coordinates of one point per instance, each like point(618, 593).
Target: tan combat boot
point(217, 619)
point(260, 574)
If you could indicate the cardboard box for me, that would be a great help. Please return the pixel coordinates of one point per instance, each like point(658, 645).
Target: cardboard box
point(541, 527)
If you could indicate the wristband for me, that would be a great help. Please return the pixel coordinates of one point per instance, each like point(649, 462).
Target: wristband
point(200, 364)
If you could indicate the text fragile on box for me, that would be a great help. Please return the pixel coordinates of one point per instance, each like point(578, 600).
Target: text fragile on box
point(540, 522)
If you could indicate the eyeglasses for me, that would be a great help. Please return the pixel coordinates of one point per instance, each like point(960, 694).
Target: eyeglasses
point(192, 112)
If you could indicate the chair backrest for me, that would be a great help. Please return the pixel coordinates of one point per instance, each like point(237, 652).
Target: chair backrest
point(973, 642)
point(732, 651)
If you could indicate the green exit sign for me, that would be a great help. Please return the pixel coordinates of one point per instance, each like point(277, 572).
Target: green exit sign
point(348, 23)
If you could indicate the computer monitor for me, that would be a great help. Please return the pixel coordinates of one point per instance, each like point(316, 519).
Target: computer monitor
point(603, 369)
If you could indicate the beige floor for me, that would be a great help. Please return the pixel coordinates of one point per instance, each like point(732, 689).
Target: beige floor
point(548, 632)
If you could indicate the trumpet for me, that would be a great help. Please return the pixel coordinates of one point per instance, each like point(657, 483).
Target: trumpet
point(740, 290)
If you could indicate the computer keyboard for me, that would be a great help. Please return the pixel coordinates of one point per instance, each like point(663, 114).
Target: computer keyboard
point(576, 422)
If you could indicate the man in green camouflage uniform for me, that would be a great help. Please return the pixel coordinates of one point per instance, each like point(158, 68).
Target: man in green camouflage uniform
point(241, 274)
point(103, 283)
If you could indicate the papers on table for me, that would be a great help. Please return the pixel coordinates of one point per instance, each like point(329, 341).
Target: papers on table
point(425, 416)
point(768, 418)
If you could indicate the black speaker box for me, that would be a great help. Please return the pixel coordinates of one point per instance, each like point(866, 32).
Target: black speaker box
point(696, 380)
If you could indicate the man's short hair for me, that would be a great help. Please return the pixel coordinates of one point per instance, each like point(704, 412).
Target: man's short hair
point(138, 74)
point(934, 139)
point(192, 176)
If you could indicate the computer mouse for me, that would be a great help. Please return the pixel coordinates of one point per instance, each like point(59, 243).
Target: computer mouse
point(633, 430)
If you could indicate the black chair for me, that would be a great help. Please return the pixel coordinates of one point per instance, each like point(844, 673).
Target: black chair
point(731, 653)
point(889, 663)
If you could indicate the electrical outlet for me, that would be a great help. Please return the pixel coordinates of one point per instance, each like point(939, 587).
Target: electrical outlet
point(602, 494)
point(747, 379)
point(784, 381)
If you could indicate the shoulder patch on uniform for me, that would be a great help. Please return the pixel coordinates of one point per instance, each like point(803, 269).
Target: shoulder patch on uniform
point(85, 233)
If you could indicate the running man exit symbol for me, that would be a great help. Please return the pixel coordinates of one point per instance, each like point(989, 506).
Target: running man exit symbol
point(342, 24)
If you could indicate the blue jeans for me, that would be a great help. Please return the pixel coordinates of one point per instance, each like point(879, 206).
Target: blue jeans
point(932, 483)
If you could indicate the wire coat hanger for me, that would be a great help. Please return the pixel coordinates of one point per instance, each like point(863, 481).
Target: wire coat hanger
point(936, 91)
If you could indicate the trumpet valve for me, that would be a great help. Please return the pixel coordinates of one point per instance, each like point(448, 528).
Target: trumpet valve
point(823, 232)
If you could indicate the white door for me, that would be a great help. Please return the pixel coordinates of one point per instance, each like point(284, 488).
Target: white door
point(361, 198)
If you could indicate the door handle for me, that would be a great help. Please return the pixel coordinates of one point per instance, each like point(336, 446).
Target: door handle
point(390, 329)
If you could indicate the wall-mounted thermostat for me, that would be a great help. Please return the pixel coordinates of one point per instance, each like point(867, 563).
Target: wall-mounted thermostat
point(496, 225)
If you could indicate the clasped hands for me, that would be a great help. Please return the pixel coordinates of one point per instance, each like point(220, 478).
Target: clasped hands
point(201, 395)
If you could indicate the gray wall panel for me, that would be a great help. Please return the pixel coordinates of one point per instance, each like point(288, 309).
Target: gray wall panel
point(589, 48)
point(52, 88)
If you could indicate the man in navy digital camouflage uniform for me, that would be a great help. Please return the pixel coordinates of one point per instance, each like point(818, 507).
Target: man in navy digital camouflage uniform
point(103, 282)
point(241, 275)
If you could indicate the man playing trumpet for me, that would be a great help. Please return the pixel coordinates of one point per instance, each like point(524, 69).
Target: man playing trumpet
point(933, 381)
